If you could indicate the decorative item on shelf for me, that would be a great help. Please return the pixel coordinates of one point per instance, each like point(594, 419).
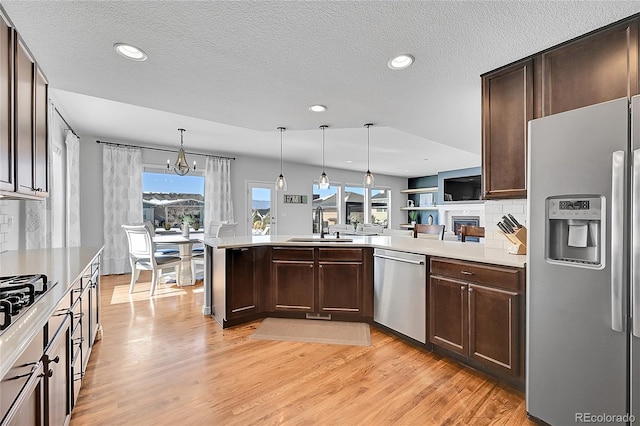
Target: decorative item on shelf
point(166, 225)
point(324, 180)
point(181, 167)
point(368, 180)
point(281, 182)
point(410, 203)
point(430, 220)
point(413, 216)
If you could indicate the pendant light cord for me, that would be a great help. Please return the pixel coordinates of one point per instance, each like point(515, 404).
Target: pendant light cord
point(368, 149)
point(323, 127)
point(281, 131)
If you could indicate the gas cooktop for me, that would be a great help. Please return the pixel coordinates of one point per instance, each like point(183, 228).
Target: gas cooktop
point(17, 294)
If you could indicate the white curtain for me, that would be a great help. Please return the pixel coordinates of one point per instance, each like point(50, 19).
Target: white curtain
point(72, 143)
point(218, 205)
point(38, 224)
point(122, 188)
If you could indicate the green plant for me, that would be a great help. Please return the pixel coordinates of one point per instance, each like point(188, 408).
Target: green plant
point(413, 215)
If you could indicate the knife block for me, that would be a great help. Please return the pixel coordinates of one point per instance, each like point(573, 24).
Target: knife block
point(517, 240)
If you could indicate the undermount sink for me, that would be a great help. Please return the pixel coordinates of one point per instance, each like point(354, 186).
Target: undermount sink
point(319, 240)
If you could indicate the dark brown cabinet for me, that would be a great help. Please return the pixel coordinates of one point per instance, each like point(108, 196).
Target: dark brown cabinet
point(246, 277)
point(598, 67)
point(320, 280)
point(340, 281)
point(7, 177)
point(476, 311)
point(507, 106)
point(593, 69)
point(24, 168)
point(293, 279)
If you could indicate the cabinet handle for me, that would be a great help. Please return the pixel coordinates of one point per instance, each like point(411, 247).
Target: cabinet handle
point(466, 273)
point(56, 359)
point(462, 288)
point(48, 374)
point(310, 266)
point(470, 289)
point(319, 266)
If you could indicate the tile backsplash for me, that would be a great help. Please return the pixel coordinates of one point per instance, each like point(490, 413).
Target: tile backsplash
point(4, 225)
point(493, 212)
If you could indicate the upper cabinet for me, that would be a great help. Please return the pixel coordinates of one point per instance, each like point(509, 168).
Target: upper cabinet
point(593, 69)
point(7, 178)
point(507, 106)
point(598, 67)
point(24, 149)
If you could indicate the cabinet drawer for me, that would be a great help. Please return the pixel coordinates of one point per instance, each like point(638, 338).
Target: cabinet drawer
point(497, 276)
point(295, 253)
point(345, 254)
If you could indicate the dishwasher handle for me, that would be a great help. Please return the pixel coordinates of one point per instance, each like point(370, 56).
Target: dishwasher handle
point(399, 259)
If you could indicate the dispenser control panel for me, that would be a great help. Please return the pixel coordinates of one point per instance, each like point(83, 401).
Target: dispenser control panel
point(574, 208)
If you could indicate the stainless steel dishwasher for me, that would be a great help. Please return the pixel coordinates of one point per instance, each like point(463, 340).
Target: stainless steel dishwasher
point(400, 292)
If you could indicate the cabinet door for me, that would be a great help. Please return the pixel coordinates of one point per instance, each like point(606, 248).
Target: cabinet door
point(57, 379)
point(593, 69)
point(448, 321)
point(242, 293)
point(24, 101)
point(340, 287)
point(494, 330)
point(40, 141)
point(293, 286)
point(507, 106)
point(6, 107)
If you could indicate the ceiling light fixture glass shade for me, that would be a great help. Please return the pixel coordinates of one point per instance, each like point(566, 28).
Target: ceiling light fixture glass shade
point(401, 62)
point(281, 182)
point(324, 180)
point(130, 52)
point(181, 167)
point(368, 180)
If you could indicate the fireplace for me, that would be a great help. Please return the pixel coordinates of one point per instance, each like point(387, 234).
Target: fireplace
point(458, 221)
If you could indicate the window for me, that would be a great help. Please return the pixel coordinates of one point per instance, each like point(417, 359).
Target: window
point(166, 196)
point(328, 200)
point(380, 207)
point(354, 202)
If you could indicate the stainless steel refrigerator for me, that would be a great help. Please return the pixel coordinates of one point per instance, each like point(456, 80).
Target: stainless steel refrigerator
point(583, 266)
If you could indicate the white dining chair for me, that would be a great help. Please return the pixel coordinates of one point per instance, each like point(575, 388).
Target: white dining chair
point(161, 249)
point(218, 230)
point(398, 232)
point(142, 256)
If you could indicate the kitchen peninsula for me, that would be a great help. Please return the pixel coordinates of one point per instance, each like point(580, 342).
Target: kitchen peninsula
point(474, 307)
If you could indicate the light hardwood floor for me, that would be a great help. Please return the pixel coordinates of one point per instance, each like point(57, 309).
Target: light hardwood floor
point(161, 362)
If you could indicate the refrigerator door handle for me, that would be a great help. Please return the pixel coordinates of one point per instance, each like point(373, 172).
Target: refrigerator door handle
point(635, 249)
point(617, 240)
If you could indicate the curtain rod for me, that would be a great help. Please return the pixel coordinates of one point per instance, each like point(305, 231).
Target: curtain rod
point(164, 150)
point(65, 122)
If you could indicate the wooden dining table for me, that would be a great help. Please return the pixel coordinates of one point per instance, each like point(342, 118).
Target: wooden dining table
point(185, 247)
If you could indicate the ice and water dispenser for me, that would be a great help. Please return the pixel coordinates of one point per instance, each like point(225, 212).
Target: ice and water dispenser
point(575, 225)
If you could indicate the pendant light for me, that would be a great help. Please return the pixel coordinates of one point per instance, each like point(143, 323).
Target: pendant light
point(324, 180)
point(281, 182)
point(181, 167)
point(368, 180)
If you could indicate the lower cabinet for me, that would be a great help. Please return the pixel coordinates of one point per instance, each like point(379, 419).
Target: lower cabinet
point(58, 376)
point(340, 282)
point(476, 311)
point(246, 276)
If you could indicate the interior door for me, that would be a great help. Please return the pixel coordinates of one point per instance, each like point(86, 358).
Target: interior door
point(261, 208)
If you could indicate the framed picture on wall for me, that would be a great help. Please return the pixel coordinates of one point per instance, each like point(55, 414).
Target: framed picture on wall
point(426, 200)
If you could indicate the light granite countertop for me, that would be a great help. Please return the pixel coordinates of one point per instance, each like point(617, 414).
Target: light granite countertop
point(475, 252)
point(62, 266)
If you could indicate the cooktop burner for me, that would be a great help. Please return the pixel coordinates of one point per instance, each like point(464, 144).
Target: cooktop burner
point(18, 293)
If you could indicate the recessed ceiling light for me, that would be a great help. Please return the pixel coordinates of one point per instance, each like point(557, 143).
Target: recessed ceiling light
point(130, 52)
point(401, 62)
point(317, 108)
point(349, 161)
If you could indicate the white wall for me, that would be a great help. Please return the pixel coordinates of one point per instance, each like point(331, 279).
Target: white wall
point(292, 218)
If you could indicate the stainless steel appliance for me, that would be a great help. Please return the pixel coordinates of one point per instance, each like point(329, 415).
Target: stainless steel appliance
point(17, 294)
point(400, 292)
point(583, 266)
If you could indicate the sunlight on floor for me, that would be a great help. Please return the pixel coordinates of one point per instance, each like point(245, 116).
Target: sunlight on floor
point(141, 292)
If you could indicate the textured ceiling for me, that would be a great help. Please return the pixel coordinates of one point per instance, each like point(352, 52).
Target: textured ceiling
point(231, 72)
